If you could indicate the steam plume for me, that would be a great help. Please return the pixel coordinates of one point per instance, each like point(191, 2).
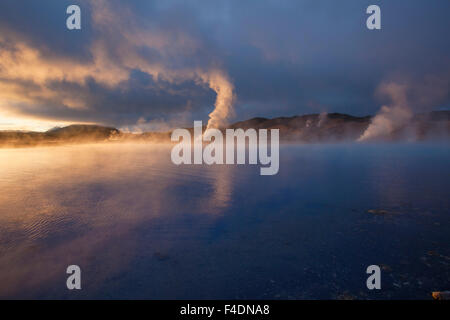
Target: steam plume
point(405, 98)
point(223, 111)
point(390, 117)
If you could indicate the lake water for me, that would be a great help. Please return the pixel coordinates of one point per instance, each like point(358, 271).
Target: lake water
point(141, 227)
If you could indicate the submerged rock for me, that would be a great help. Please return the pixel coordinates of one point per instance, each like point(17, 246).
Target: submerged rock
point(161, 256)
point(444, 295)
point(375, 211)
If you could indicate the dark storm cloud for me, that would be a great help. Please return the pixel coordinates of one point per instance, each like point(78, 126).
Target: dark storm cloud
point(42, 25)
point(321, 52)
point(138, 97)
point(283, 57)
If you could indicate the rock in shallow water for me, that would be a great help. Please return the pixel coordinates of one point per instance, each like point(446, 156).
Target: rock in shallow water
point(443, 295)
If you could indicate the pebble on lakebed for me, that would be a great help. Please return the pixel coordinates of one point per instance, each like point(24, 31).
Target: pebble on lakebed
point(161, 256)
point(374, 211)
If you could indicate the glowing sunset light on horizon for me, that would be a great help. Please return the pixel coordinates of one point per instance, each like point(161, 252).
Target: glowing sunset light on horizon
point(9, 122)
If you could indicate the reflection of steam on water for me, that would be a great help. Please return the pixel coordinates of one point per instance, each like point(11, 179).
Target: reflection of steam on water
point(222, 183)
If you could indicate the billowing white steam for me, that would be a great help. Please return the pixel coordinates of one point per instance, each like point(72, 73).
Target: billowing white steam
point(134, 39)
point(406, 97)
point(322, 118)
point(223, 111)
point(390, 117)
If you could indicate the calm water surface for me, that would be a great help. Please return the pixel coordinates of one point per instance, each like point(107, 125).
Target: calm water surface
point(141, 227)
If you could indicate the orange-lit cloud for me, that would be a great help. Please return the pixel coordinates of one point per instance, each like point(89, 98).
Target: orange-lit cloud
point(29, 78)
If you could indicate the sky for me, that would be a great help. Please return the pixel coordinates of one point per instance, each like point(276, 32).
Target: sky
point(153, 65)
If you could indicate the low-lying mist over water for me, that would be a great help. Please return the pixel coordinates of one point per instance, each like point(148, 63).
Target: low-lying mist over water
point(310, 128)
point(142, 227)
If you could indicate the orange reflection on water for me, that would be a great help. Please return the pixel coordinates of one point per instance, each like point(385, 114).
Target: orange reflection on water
point(72, 204)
